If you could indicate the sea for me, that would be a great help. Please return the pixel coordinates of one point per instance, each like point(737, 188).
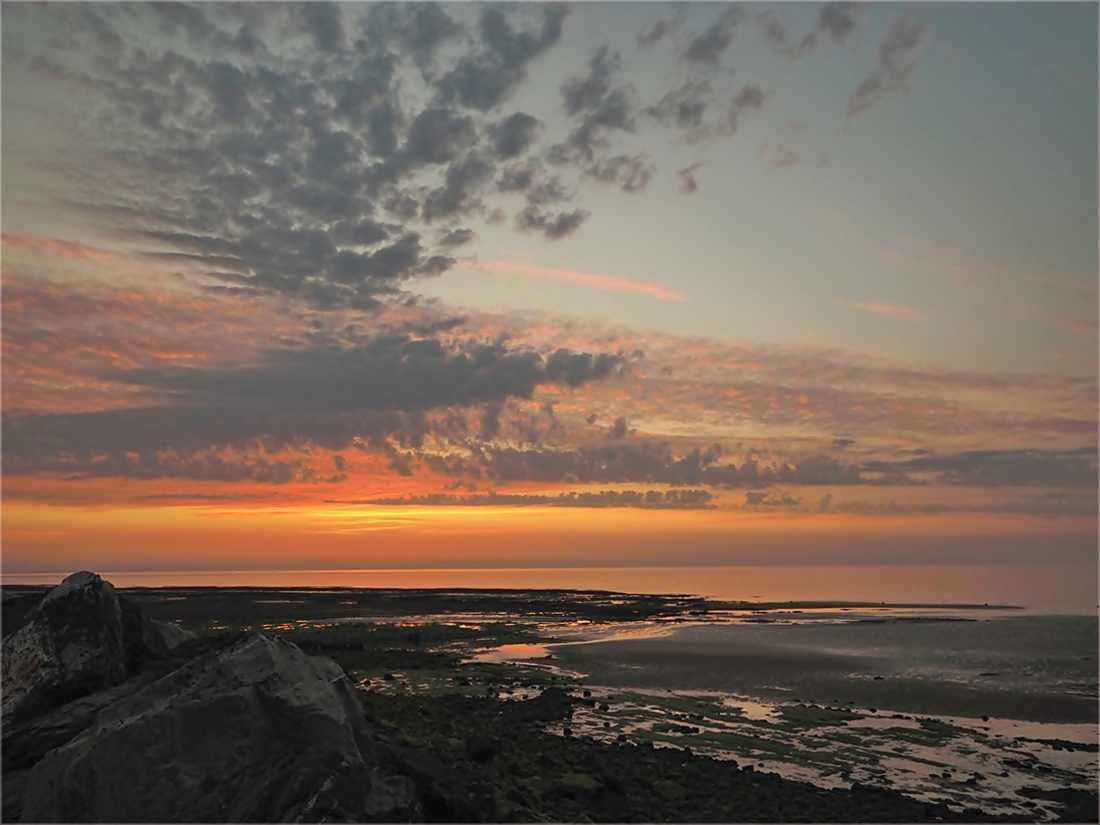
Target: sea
point(1038, 589)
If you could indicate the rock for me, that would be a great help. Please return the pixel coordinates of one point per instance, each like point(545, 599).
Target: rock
point(29, 741)
point(146, 639)
point(15, 607)
point(71, 645)
point(259, 731)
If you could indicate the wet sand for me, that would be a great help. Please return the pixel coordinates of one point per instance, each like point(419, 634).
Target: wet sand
point(1034, 669)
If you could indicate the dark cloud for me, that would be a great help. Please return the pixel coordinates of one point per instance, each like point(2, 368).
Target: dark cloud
point(459, 194)
point(577, 368)
point(835, 20)
point(1046, 505)
point(631, 173)
point(647, 461)
point(618, 428)
point(456, 237)
point(322, 21)
point(599, 105)
point(271, 170)
point(1011, 468)
point(776, 499)
point(553, 228)
point(685, 106)
point(749, 99)
point(661, 28)
point(707, 47)
point(513, 135)
point(420, 28)
point(649, 500)
point(481, 81)
point(895, 59)
point(225, 424)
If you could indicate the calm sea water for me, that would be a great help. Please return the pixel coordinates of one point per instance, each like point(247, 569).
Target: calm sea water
point(1039, 589)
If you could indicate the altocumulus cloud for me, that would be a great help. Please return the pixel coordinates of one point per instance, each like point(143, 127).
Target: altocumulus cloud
point(314, 150)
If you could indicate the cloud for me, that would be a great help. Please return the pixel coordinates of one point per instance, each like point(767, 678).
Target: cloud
point(227, 423)
point(707, 47)
point(420, 28)
point(899, 312)
point(553, 228)
point(1048, 505)
point(600, 106)
point(649, 500)
point(836, 20)
point(643, 461)
point(688, 183)
point(231, 154)
point(895, 59)
point(780, 151)
point(53, 246)
point(456, 237)
point(685, 106)
point(513, 135)
point(776, 499)
point(749, 99)
point(659, 30)
point(590, 280)
point(1011, 468)
point(629, 173)
point(482, 80)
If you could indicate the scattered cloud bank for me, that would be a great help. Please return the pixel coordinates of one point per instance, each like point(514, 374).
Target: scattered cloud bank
point(649, 500)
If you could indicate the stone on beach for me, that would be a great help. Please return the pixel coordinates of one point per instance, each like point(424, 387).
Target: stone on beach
point(70, 645)
point(259, 732)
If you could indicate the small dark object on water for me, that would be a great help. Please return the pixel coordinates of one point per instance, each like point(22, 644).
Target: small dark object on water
point(605, 706)
point(878, 678)
point(587, 693)
point(985, 718)
point(607, 724)
point(567, 731)
point(388, 677)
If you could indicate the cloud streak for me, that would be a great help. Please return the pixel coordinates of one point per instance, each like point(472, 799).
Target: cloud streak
point(899, 312)
point(589, 280)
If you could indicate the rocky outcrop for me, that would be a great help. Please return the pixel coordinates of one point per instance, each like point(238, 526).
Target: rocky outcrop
point(257, 732)
point(70, 645)
point(147, 640)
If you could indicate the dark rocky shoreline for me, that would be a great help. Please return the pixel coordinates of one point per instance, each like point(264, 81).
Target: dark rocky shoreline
point(114, 713)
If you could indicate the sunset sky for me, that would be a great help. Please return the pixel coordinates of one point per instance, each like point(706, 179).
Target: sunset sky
point(416, 285)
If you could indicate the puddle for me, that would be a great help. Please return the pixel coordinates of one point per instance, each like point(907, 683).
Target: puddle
point(511, 653)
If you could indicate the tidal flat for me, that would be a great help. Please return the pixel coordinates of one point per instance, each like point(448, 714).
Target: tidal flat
point(593, 706)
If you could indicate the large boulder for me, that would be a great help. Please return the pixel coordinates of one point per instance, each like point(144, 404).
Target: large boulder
point(70, 645)
point(257, 732)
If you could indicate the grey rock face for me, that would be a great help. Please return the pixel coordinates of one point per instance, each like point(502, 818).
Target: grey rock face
point(71, 645)
point(258, 732)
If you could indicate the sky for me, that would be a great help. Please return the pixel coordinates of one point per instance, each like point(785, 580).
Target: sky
point(614, 284)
